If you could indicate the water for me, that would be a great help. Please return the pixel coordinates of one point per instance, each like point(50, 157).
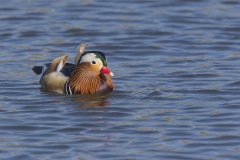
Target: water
point(177, 75)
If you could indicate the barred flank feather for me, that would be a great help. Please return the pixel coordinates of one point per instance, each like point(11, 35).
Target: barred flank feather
point(52, 79)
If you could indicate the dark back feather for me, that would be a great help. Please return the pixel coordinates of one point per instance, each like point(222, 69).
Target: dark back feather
point(66, 70)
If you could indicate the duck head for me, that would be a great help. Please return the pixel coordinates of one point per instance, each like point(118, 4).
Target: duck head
point(97, 62)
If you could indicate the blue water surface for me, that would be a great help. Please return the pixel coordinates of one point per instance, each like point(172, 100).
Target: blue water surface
point(176, 66)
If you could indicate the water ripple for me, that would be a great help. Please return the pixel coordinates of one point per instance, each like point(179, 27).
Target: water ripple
point(177, 75)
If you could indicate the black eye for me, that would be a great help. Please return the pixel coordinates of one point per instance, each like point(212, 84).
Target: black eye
point(93, 62)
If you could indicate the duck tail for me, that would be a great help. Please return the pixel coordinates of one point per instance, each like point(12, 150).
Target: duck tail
point(38, 70)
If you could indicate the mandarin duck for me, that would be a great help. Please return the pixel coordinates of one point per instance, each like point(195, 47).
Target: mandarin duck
point(89, 74)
